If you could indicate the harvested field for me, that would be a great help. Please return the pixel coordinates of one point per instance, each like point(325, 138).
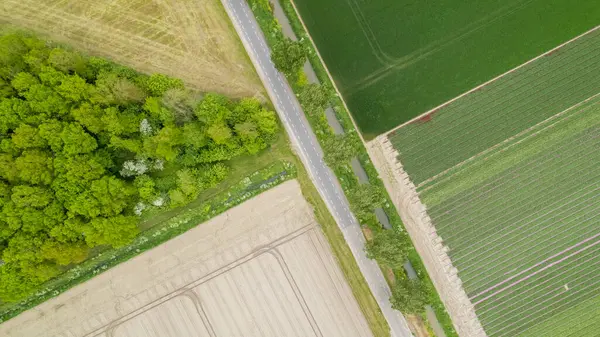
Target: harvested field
point(261, 269)
point(186, 39)
point(510, 178)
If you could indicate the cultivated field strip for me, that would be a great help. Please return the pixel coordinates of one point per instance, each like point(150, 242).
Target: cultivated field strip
point(500, 110)
point(509, 175)
point(554, 129)
point(580, 320)
point(526, 241)
point(500, 163)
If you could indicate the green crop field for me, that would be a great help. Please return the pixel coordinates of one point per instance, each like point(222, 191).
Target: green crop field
point(395, 59)
point(511, 178)
point(501, 109)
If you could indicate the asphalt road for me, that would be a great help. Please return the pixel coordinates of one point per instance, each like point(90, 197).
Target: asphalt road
point(307, 147)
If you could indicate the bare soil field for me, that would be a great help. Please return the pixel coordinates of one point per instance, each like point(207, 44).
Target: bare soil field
point(261, 269)
point(188, 39)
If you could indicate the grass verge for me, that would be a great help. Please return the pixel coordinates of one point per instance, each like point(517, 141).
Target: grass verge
point(344, 257)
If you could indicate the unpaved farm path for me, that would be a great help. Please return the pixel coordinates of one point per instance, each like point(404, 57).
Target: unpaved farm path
point(261, 269)
point(423, 234)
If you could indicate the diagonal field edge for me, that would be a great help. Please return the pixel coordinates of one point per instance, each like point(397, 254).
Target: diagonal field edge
point(490, 81)
point(510, 139)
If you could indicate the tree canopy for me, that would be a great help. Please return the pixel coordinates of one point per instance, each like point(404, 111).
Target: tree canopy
point(86, 146)
point(409, 296)
point(288, 56)
point(340, 149)
point(389, 248)
point(315, 98)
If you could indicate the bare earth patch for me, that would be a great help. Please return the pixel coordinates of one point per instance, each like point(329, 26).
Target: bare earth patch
point(424, 236)
point(188, 39)
point(261, 269)
point(417, 326)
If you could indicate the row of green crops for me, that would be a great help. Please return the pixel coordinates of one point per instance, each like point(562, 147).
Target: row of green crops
point(525, 239)
point(580, 320)
point(522, 218)
point(430, 147)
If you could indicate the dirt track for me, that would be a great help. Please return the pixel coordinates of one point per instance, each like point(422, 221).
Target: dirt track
point(261, 269)
point(189, 39)
point(423, 234)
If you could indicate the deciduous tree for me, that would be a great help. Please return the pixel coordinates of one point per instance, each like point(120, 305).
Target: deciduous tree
point(408, 296)
point(35, 167)
point(288, 56)
point(339, 150)
point(76, 140)
point(214, 109)
point(314, 98)
point(31, 196)
point(158, 84)
point(114, 231)
point(389, 248)
point(64, 253)
point(26, 136)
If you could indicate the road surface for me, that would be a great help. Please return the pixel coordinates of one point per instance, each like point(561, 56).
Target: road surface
point(306, 145)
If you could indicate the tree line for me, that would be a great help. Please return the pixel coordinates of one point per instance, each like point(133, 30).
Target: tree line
point(389, 247)
point(87, 146)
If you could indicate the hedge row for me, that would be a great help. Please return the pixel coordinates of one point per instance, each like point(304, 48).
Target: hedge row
point(272, 30)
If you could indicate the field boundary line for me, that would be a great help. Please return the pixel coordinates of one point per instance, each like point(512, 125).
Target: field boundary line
point(507, 140)
point(335, 87)
point(386, 134)
point(189, 286)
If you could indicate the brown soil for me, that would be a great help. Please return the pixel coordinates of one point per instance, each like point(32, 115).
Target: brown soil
point(367, 232)
point(417, 326)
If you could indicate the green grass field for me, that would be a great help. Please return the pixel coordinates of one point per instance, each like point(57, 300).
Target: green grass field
point(393, 60)
point(511, 180)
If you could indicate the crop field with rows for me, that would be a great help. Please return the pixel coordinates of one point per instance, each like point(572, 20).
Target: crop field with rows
point(511, 180)
point(499, 110)
point(395, 59)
